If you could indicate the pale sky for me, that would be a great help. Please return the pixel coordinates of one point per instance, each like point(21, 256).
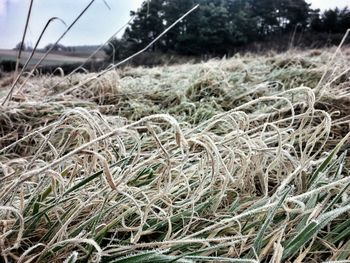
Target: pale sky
point(95, 27)
point(326, 4)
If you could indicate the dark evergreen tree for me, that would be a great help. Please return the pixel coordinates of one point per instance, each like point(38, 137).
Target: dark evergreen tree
point(219, 26)
point(344, 20)
point(20, 45)
point(207, 32)
point(243, 24)
point(173, 9)
point(330, 20)
point(291, 13)
point(147, 25)
point(279, 16)
point(315, 20)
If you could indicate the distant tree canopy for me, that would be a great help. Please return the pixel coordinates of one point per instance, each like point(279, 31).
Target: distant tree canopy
point(57, 47)
point(218, 26)
point(23, 46)
point(331, 21)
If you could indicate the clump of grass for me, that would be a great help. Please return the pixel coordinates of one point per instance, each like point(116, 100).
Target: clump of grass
point(189, 163)
point(205, 89)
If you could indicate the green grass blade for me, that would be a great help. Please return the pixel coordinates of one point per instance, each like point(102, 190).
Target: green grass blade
point(296, 243)
point(260, 235)
point(326, 162)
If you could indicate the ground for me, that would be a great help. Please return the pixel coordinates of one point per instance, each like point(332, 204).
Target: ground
point(52, 59)
point(234, 160)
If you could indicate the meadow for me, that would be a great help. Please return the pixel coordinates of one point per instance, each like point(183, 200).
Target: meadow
point(233, 160)
point(52, 59)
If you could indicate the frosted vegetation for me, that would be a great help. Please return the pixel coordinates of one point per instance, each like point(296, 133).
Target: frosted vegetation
point(233, 160)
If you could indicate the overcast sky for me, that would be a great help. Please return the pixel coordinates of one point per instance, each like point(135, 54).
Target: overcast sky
point(95, 27)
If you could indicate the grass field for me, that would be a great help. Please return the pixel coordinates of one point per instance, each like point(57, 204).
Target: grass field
point(52, 59)
point(234, 160)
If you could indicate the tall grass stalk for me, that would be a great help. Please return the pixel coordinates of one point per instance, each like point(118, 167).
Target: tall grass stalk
point(8, 97)
point(23, 36)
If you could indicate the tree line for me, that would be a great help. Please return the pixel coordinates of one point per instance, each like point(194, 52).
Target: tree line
point(217, 27)
point(55, 48)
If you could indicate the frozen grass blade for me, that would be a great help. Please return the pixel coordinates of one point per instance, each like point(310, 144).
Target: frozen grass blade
point(18, 76)
point(47, 52)
point(119, 169)
point(134, 55)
